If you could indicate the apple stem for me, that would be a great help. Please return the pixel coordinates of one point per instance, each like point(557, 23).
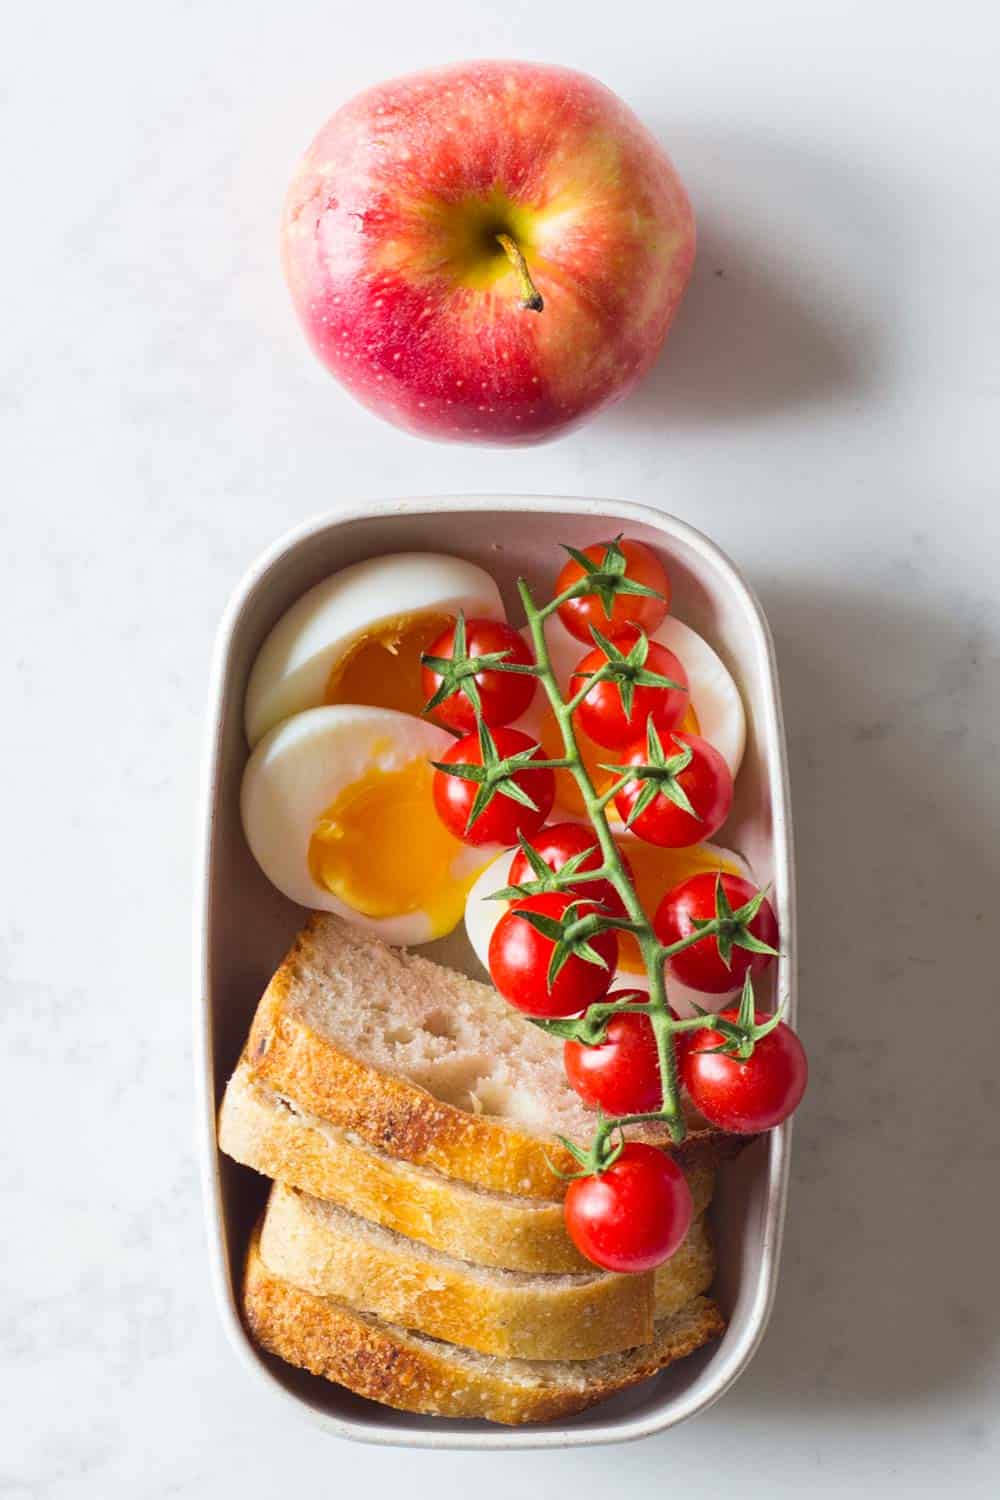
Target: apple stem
point(531, 297)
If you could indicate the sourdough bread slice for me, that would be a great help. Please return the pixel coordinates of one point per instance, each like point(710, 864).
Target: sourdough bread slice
point(690, 1270)
point(411, 1372)
point(518, 1314)
point(260, 1129)
point(425, 1064)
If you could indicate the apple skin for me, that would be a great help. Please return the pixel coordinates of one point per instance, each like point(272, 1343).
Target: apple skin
point(390, 250)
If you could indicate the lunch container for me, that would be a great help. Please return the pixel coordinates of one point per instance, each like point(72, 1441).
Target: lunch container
point(243, 925)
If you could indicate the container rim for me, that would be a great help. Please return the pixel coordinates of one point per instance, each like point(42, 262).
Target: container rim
point(726, 1364)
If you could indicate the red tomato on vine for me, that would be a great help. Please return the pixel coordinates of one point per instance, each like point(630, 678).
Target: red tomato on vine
point(453, 686)
point(632, 1216)
point(648, 685)
point(631, 589)
point(621, 1074)
point(688, 804)
point(717, 964)
point(486, 790)
point(748, 1094)
point(538, 969)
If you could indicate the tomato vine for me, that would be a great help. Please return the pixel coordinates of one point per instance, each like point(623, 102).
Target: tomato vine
point(731, 928)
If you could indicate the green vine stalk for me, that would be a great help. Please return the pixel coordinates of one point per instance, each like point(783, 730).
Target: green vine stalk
point(654, 954)
point(727, 926)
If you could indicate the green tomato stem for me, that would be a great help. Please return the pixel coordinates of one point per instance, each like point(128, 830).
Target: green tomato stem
point(609, 796)
point(698, 1023)
point(657, 1008)
point(601, 873)
point(543, 613)
point(605, 1012)
point(581, 693)
point(709, 930)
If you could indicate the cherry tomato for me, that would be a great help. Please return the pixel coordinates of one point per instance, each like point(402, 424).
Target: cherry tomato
point(701, 966)
point(503, 696)
point(602, 714)
point(620, 1075)
point(706, 781)
point(634, 1214)
point(519, 957)
point(628, 611)
point(746, 1094)
point(503, 819)
point(559, 842)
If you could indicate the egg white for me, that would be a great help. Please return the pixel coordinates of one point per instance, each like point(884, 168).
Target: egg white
point(714, 695)
point(482, 916)
point(301, 766)
point(294, 664)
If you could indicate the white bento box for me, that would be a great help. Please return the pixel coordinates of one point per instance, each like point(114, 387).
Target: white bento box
point(242, 925)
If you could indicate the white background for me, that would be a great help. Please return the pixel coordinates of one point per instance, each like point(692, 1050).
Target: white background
point(827, 410)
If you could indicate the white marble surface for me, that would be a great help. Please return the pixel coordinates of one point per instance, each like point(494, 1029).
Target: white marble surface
point(828, 412)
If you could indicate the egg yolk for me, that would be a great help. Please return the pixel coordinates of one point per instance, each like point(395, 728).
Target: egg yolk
point(382, 668)
point(567, 792)
point(382, 850)
point(657, 871)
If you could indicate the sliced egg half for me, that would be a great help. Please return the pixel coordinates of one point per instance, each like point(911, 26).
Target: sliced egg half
point(357, 637)
point(656, 871)
point(715, 710)
point(338, 812)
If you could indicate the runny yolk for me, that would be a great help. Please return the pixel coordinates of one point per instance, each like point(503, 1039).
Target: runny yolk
point(657, 871)
point(381, 848)
point(567, 792)
point(382, 668)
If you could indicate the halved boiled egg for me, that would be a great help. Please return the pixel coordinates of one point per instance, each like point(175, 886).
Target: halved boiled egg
point(655, 870)
point(357, 637)
point(715, 710)
point(338, 812)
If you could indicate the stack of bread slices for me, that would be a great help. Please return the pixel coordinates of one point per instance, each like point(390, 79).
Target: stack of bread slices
point(413, 1247)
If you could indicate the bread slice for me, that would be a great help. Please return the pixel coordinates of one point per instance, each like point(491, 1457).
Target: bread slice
point(425, 1064)
point(264, 1131)
point(411, 1372)
point(690, 1270)
point(326, 1250)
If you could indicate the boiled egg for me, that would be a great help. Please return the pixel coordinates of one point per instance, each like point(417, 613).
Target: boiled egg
point(357, 637)
point(338, 812)
point(715, 710)
point(656, 871)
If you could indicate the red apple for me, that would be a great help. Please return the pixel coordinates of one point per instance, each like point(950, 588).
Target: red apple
point(489, 252)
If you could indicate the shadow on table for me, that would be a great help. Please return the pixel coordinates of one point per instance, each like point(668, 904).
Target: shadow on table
point(893, 1232)
point(774, 316)
point(894, 1216)
point(886, 1287)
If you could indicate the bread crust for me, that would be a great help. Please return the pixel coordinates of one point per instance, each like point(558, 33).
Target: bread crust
point(509, 1314)
point(492, 1229)
point(401, 1119)
point(397, 1117)
point(690, 1270)
point(385, 1364)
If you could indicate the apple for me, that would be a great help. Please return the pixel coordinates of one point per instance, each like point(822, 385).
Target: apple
point(488, 252)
